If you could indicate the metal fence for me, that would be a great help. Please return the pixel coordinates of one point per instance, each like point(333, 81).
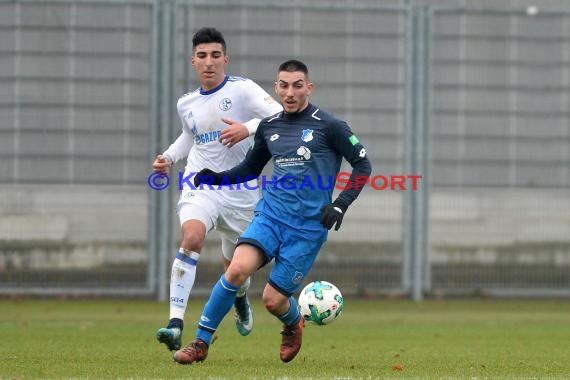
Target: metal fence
point(77, 108)
point(76, 91)
point(499, 151)
point(475, 100)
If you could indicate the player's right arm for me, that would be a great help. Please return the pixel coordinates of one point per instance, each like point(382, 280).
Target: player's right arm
point(178, 150)
point(175, 152)
point(161, 164)
point(346, 144)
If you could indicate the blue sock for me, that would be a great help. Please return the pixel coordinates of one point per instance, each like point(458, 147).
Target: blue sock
point(220, 302)
point(292, 315)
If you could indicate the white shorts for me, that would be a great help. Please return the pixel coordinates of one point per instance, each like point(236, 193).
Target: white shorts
point(211, 210)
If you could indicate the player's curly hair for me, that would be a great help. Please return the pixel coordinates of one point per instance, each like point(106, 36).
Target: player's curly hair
point(208, 35)
point(293, 65)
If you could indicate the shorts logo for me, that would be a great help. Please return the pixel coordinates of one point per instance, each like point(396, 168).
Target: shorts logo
point(274, 137)
point(225, 104)
point(307, 135)
point(297, 277)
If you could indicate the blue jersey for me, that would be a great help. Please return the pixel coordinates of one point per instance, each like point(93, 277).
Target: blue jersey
point(307, 149)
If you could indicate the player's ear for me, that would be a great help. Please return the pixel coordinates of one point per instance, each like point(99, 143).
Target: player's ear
point(275, 88)
point(310, 88)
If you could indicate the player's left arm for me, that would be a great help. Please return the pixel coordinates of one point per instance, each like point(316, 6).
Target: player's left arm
point(345, 143)
point(260, 105)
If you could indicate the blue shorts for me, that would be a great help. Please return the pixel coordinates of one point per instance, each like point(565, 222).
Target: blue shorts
point(294, 254)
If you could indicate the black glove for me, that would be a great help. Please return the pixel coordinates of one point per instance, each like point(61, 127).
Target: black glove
point(333, 213)
point(207, 177)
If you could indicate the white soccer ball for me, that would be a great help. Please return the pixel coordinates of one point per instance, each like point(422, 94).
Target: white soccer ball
point(320, 302)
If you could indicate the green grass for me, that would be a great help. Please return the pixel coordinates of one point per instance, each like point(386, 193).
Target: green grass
point(435, 339)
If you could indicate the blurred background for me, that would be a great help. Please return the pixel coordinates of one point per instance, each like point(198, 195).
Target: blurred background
point(474, 96)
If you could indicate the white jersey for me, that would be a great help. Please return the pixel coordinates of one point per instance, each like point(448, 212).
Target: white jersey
point(201, 113)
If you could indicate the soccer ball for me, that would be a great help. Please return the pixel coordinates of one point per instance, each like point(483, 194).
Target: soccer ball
point(320, 302)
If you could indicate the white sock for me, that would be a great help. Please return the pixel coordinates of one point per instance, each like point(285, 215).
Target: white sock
point(243, 289)
point(181, 281)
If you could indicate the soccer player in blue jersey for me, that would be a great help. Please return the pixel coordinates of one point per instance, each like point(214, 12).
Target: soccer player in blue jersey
point(293, 217)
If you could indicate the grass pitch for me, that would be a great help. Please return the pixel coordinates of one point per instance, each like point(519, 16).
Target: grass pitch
point(51, 339)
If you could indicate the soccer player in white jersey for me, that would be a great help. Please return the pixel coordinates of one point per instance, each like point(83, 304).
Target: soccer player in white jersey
point(217, 121)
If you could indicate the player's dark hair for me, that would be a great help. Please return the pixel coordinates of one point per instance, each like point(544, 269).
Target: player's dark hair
point(293, 65)
point(207, 36)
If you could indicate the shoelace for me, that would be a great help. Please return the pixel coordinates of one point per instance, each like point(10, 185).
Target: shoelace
point(242, 311)
point(193, 348)
point(288, 331)
point(242, 314)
